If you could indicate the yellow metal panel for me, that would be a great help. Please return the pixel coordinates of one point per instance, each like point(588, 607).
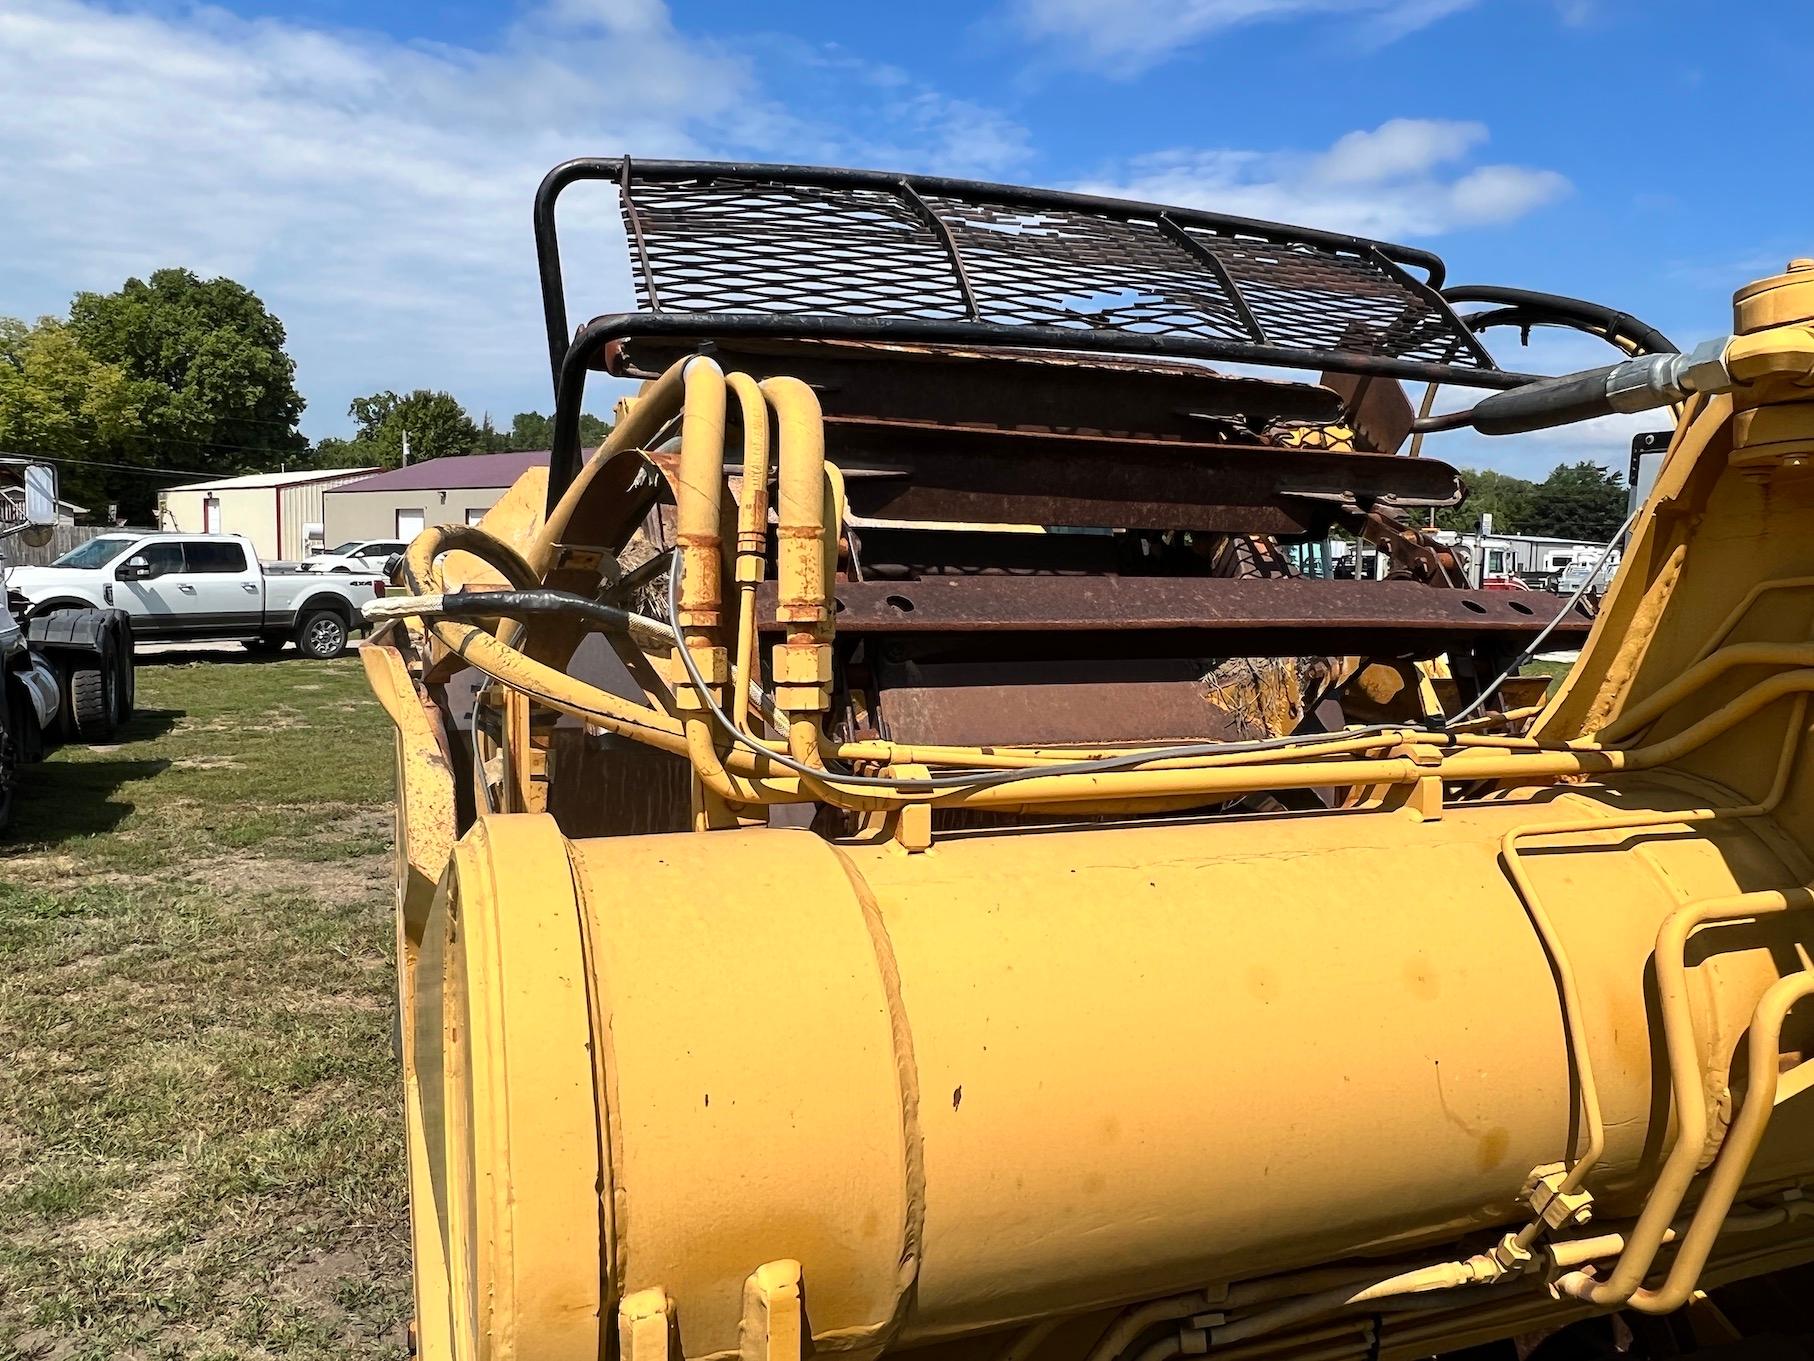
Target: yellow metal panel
point(504, 1061)
point(760, 1102)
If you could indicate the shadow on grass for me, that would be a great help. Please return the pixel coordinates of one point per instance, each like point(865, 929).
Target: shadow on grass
point(62, 800)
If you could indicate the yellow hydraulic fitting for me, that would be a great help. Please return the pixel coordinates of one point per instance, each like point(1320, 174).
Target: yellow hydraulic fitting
point(1780, 300)
point(802, 677)
point(1509, 1257)
point(714, 668)
point(1558, 1209)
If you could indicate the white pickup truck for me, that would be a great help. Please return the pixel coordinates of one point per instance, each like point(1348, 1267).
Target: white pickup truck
point(191, 587)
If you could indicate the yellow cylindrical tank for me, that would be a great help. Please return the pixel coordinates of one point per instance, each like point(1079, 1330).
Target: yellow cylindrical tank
point(1029, 1073)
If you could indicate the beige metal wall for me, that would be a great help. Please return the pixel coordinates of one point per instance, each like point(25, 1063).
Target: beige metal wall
point(373, 514)
point(272, 517)
point(300, 505)
point(251, 511)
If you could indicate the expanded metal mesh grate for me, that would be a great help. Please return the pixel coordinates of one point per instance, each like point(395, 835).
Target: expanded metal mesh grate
point(876, 247)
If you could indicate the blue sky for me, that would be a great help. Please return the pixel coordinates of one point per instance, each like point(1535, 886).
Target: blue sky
point(367, 167)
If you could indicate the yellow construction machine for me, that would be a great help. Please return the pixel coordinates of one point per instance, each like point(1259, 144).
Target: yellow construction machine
point(900, 851)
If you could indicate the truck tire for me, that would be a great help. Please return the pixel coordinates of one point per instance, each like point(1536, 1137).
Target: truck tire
point(93, 691)
point(126, 683)
point(321, 635)
point(9, 771)
point(20, 719)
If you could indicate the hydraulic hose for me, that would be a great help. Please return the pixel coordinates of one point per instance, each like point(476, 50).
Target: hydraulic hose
point(508, 665)
point(752, 535)
point(1642, 383)
point(1741, 1144)
point(1687, 1086)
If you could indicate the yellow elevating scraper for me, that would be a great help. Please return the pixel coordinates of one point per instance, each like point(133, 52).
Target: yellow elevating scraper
point(910, 847)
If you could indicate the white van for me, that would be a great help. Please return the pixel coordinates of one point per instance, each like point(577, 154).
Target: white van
point(1597, 564)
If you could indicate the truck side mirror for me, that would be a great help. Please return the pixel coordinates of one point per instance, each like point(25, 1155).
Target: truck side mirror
point(32, 513)
point(135, 568)
point(41, 495)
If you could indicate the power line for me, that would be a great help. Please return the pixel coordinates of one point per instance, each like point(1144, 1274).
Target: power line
point(139, 469)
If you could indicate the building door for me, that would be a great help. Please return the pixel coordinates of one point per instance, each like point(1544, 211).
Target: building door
point(410, 523)
point(211, 515)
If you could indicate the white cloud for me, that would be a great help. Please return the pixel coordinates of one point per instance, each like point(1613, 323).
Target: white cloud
point(376, 193)
point(1405, 178)
point(1126, 38)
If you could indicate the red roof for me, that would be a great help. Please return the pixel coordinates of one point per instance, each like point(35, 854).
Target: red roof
point(464, 470)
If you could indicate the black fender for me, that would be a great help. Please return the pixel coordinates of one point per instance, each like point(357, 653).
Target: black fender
point(70, 630)
point(78, 628)
point(59, 605)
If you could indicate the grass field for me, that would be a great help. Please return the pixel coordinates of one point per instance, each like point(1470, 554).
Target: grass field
point(200, 1136)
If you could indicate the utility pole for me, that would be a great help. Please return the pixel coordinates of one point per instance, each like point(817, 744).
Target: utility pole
point(406, 448)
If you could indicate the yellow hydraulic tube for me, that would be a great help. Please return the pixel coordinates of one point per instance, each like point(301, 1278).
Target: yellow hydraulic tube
point(659, 402)
point(1741, 1145)
point(1567, 984)
point(1707, 669)
point(509, 666)
point(752, 538)
point(698, 504)
point(1687, 1085)
point(802, 585)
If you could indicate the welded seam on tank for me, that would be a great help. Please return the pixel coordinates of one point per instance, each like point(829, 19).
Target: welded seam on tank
point(913, 1156)
point(611, 1208)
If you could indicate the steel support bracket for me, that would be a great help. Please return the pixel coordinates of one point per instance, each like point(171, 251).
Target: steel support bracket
point(1422, 796)
point(911, 825)
point(773, 1327)
point(645, 1326)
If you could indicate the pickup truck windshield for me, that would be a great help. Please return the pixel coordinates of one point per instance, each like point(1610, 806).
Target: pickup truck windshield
point(96, 552)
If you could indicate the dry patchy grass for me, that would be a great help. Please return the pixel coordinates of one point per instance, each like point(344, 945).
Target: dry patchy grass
point(200, 1140)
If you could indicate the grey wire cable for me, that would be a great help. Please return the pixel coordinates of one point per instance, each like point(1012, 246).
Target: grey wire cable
point(980, 780)
point(1549, 628)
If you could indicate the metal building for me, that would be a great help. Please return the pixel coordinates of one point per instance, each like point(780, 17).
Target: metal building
point(278, 512)
point(398, 504)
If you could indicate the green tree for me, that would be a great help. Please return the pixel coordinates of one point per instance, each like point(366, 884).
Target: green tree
point(59, 402)
point(1506, 498)
point(533, 430)
point(340, 453)
point(530, 430)
point(436, 423)
point(1578, 501)
point(215, 388)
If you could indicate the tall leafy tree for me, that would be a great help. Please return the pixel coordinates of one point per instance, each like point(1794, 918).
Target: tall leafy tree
point(1506, 498)
point(436, 423)
point(533, 430)
point(59, 402)
point(1579, 501)
point(215, 388)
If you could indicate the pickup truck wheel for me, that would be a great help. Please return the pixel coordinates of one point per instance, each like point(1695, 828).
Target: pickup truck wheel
point(321, 635)
point(93, 691)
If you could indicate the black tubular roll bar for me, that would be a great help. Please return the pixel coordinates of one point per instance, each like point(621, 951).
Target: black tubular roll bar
point(724, 250)
point(1524, 308)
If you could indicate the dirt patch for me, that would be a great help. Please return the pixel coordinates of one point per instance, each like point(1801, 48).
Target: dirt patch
point(363, 877)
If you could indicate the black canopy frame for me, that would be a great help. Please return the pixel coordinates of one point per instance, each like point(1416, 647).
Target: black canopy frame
point(725, 250)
